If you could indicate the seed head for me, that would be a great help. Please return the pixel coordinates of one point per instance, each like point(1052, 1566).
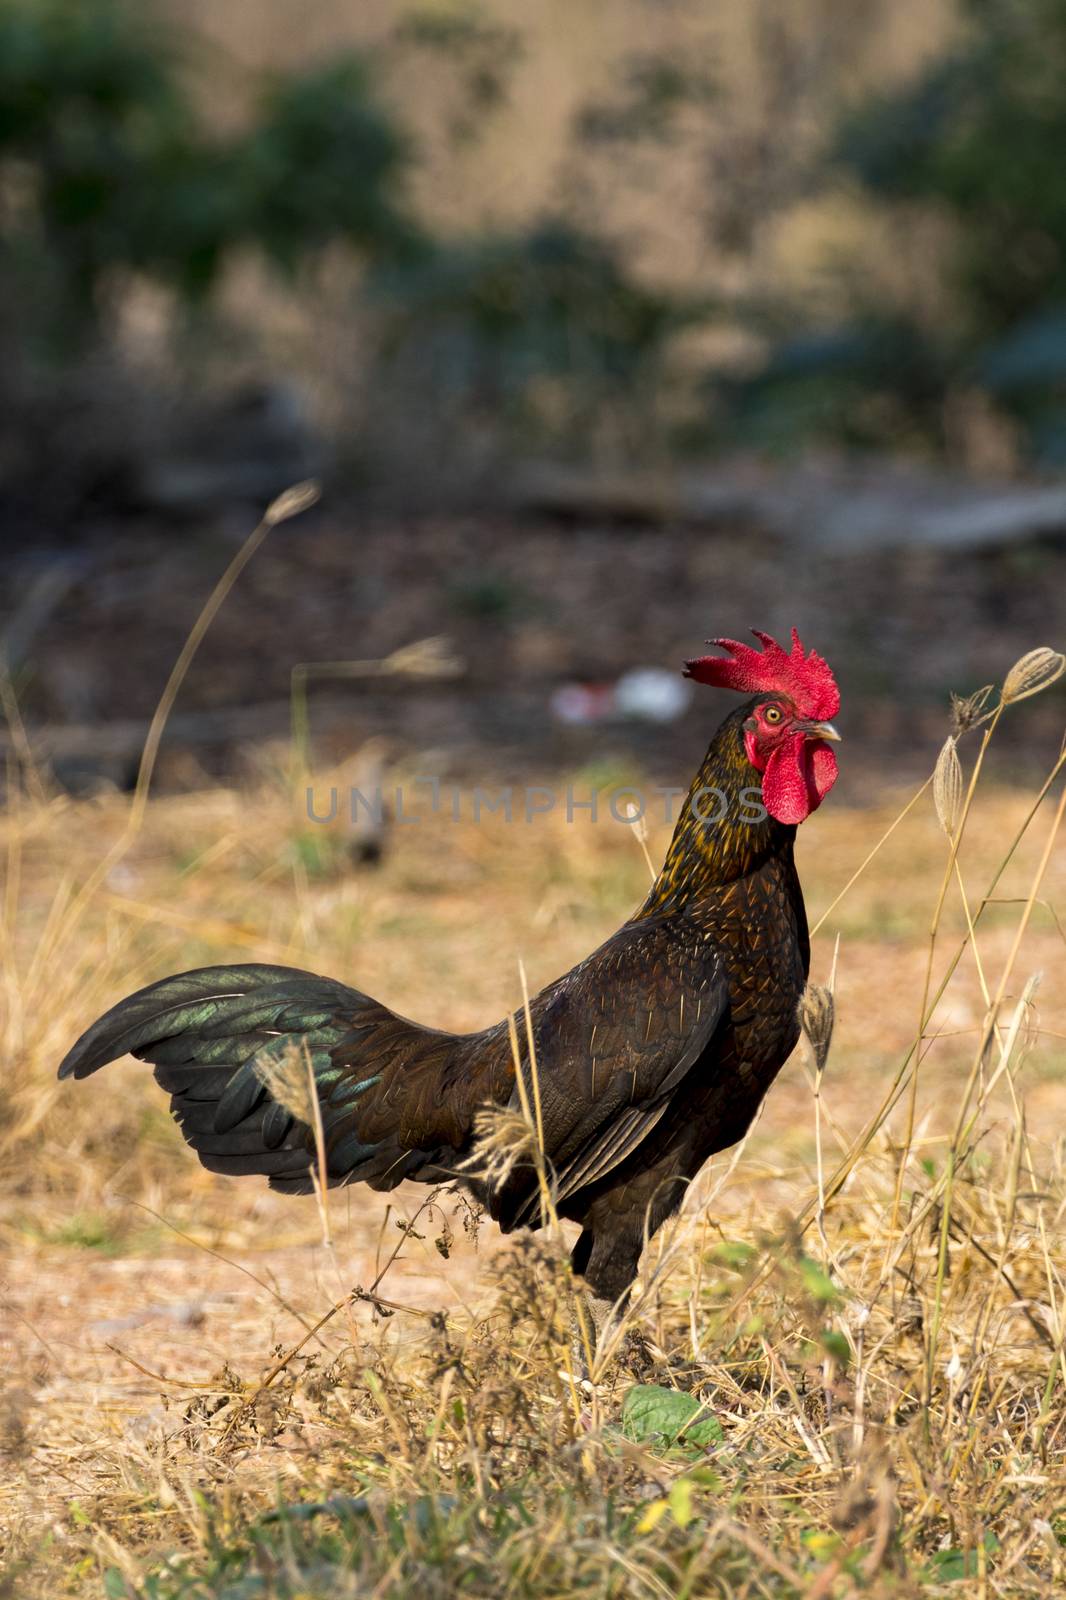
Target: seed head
point(287, 1079)
point(291, 502)
point(947, 787)
point(817, 1014)
point(502, 1138)
point(425, 658)
point(967, 711)
point(1036, 670)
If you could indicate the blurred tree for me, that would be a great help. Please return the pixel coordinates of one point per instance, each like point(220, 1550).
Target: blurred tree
point(727, 114)
point(479, 54)
point(977, 138)
point(982, 133)
point(873, 383)
point(323, 162)
point(542, 336)
point(106, 166)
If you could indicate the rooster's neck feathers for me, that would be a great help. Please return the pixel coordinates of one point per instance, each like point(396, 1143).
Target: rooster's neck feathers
point(737, 836)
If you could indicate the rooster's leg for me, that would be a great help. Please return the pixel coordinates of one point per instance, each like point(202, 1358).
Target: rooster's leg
point(588, 1319)
point(591, 1310)
point(610, 1262)
point(607, 1253)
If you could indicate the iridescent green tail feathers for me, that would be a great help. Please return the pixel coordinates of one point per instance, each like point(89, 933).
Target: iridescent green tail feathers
point(231, 1046)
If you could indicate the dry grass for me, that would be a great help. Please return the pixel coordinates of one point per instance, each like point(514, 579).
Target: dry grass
point(874, 1326)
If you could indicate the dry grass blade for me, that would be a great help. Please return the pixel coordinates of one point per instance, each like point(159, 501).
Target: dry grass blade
point(289, 1078)
point(870, 856)
point(285, 1079)
point(639, 825)
point(157, 726)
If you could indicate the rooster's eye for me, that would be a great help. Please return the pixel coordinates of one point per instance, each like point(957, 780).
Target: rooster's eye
point(773, 714)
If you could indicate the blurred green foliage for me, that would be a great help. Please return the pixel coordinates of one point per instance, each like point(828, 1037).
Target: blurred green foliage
point(978, 138)
point(113, 167)
point(655, 90)
point(543, 330)
point(870, 383)
point(982, 134)
point(107, 164)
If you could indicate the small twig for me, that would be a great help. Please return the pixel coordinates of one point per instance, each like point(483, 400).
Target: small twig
point(358, 1293)
point(161, 1377)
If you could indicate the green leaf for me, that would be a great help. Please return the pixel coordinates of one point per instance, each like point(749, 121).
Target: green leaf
point(115, 1585)
point(950, 1566)
point(707, 1431)
point(734, 1253)
point(836, 1345)
point(705, 1477)
point(817, 1282)
point(651, 1413)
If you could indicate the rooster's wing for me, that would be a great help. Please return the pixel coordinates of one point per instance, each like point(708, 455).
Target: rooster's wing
point(613, 1040)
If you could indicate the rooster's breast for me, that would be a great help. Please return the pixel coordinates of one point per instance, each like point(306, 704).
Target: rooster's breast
point(759, 926)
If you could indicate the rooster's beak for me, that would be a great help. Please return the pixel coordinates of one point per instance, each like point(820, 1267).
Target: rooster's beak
point(820, 730)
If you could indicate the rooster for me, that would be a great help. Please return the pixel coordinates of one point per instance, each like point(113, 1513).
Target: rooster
point(649, 1056)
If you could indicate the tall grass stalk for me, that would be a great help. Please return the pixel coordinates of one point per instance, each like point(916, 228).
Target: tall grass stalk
point(906, 1075)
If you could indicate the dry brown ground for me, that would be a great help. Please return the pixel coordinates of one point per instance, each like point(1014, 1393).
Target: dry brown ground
point(130, 1276)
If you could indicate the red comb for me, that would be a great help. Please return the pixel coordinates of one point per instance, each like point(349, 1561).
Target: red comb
point(805, 679)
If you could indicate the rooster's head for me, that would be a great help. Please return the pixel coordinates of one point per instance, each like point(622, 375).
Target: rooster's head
point(786, 733)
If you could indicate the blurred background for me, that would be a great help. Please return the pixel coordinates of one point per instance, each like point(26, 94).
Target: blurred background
point(605, 327)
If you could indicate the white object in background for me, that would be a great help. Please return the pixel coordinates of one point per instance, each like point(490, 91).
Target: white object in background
point(653, 694)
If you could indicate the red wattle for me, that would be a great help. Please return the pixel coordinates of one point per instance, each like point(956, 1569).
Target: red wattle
point(823, 764)
point(798, 777)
